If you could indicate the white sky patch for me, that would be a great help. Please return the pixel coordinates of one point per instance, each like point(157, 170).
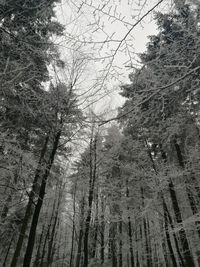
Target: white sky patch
point(95, 29)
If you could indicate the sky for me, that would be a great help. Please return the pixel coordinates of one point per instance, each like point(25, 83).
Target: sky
point(93, 30)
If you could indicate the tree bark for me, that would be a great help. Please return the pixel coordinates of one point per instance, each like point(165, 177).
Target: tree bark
point(51, 259)
point(147, 245)
point(90, 197)
point(28, 212)
point(183, 237)
point(50, 253)
point(189, 192)
point(130, 235)
point(32, 233)
point(73, 228)
point(44, 246)
point(47, 232)
point(37, 258)
point(167, 215)
point(102, 231)
point(53, 232)
point(112, 233)
point(78, 256)
point(65, 247)
point(7, 252)
point(120, 243)
point(137, 250)
point(96, 226)
point(166, 227)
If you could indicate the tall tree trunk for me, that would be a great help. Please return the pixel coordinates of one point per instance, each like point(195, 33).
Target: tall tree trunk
point(120, 243)
point(183, 237)
point(93, 155)
point(73, 229)
point(149, 240)
point(32, 233)
point(137, 245)
point(164, 240)
point(113, 249)
point(53, 232)
point(60, 244)
point(169, 218)
point(142, 252)
point(167, 215)
point(96, 226)
point(7, 252)
point(147, 244)
point(86, 236)
point(44, 246)
point(102, 230)
point(52, 255)
point(130, 241)
point(37, 257)
point(188, 190)
point(127, 260)
point(48, 232)
point(166, 227)
point(78, 256)
point(28, 212)
point(155, 256)
point(130, 235)
point(65, 246)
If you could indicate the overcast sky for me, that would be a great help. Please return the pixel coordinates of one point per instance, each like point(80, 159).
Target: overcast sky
point(87, 28)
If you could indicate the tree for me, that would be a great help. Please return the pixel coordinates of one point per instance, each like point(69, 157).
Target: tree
point(170, 59)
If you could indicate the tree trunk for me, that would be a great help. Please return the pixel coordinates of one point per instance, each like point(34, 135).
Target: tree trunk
point(37, 258)
point(28, 212)
point(51, 259)
point(149, 240)
point(137, 250)
point(112, 252)
point(73, 229)
point(32, 233)
point(48, 232)
point(44, 246)
point(102, 231)
point(164, 240)
point(189, 192)
point(130, 235)
point(7, 252)
point(49, 254)
point(142, 252)
point(147, 244)
point(183, 237)
point(96, 225)
point(65, 246)
point(90, 197)
point(87, 228)
point(120, 243)
point(53, 232)
point(167, 215)
point(78, 256)
point(166, 227)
